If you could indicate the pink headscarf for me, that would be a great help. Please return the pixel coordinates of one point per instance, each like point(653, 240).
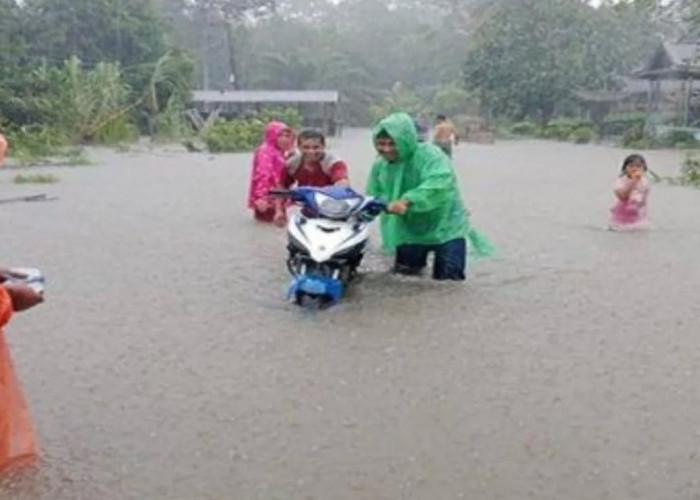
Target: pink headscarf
point(268, 163)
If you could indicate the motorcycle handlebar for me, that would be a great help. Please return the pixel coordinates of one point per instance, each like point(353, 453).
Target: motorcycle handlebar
point(279, 193)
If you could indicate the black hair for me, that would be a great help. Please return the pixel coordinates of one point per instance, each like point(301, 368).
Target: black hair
point(311, 134)
point(441, 118)
point(383, 134)
point(631, 160)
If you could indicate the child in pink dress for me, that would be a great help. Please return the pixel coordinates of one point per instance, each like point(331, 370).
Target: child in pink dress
point(632, 192)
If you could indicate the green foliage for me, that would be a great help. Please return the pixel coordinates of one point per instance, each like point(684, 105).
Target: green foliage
point(563, 128)
point(289, 116)
point(167, 89)
point(87, 67)
point(35, 179)
point(680, 139)
point(130, 32)
point(232, 136)
point(526, 56)
point(617, 124)
point(399, 99)
point(360, 48)
point(453, 100)
point(35, 142)
point(526, 129)
point(36, 145)
point(689, 175)
point(690, 171)
point(117, 130)
point(82, 102)
point(172, 122)
point(582, 135)
point(634, 137)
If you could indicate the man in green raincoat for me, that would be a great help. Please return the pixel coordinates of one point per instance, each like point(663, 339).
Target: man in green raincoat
point(425, 212)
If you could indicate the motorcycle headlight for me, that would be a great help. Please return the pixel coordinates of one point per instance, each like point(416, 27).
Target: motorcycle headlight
point(335, 209)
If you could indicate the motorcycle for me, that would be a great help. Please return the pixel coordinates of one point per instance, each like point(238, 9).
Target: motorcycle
point(29, 276)
point(327, 240)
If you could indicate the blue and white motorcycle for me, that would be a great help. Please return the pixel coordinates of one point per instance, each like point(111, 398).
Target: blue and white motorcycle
point(327, 240)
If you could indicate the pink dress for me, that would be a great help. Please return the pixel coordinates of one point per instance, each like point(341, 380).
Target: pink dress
point(268, 166)
point(630, 213)
point(3, 149)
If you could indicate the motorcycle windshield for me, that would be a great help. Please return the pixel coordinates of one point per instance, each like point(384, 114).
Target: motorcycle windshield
point(334, 208)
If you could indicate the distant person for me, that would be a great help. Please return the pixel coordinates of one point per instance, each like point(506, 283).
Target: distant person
point(632, 193)
point(426, 212)
point(445, 134)
point(3, 148)
point(311, 166)
point(422, 127)
point(268, 167)
point(18, 446)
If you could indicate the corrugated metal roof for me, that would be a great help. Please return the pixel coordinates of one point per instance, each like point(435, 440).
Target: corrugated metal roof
point(265, 96)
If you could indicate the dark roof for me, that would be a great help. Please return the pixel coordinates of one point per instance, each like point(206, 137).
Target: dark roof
point(672, 61)
point(602, 95)
point(630, 87)
point(265, 96)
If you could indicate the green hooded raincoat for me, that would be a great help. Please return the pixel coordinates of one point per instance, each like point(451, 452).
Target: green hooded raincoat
point(424, 175)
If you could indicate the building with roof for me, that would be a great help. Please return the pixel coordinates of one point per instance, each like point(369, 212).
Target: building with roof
point(321, 109)
point(664, 86)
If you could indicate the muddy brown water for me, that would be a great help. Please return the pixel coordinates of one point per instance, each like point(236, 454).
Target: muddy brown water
point(166, 364)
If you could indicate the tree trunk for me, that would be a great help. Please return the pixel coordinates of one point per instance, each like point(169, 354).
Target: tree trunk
point(232, 59)
point(547, 112)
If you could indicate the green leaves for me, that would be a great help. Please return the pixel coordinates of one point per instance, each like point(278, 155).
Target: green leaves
point(527, 57)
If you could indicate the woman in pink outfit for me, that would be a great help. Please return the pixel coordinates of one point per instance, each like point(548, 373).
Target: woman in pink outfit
point(632, 192)
point(268, 166)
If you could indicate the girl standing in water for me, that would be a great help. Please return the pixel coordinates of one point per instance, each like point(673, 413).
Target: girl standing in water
point(632, 192)
point(3, 147)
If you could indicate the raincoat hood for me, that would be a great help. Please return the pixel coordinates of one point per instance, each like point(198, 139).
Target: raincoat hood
point(273, 131)
point(424, 176)
point(402, 129)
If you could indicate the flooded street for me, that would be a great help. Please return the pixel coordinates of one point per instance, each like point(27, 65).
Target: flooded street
point(166, 363)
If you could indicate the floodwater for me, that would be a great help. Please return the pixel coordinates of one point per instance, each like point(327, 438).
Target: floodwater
point(166, 363)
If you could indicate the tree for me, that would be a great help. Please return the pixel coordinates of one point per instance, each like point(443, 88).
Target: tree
point(127, 31)
point(527, 56)
point(13, 48)
point(233, 13)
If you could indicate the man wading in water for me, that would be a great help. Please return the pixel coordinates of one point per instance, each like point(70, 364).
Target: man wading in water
point(425, 213)
point(445, 135)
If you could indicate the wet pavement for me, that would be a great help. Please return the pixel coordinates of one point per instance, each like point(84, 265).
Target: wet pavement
point(166, 363)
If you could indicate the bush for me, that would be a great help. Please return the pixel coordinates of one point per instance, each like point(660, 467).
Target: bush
point(399, 99)
point(526, 129)
point(117, 131)
point(35, 141)
point(231, 136)
point(452, 99)
point(35, 179)
point(678, 139)
point(172, 122)
point(633, 136)
point(690, 171)
point(582, 135)
point(290, 116)
point(617, 124)
point(562, 128)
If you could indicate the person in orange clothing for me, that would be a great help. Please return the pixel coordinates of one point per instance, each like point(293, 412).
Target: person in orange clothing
point(18, 444)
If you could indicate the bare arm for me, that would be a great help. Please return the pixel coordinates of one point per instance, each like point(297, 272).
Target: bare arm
point(623, 191)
